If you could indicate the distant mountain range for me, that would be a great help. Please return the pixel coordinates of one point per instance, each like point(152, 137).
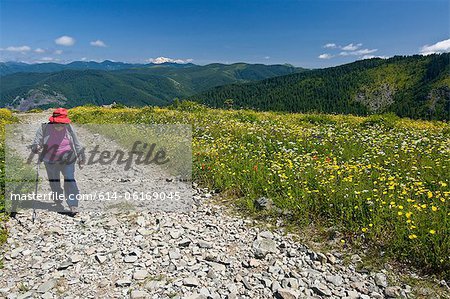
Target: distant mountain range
point(12, 67)
point(26, 86)
point(410, 86)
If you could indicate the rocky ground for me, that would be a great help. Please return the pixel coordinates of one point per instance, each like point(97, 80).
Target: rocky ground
point(203, 253)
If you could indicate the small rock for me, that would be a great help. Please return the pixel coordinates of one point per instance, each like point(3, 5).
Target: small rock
point(100, 258)
point(184, 243)
point(262, 247)
point(290, 283)
point(321, 257)
point(217, 267)
point(204, 244)
point(246, 284)
point(26, 295)
point(275, 286)
point(190, 282)
point(175, 233)
point(15, 252)
point(392, 292)
point(291, 253)
point(337, 280)
point(174, 255)
point(138, 294)
point(47, 295)
point(331, 258)
point(46, 286)
point(321, 289)
point(381, 280)
point(232, 287)
point(231, 295)
point(130, 258)
point(140, 274)
point(64, 265)
point(266, 235)
point(123, 283)
point(263, 203)
point(254, 263)
point(76, 258)
point(211, 274)
point(205, 292)
point(352, 294)
point(360, 286)
point(285, 294)
point(376, 295)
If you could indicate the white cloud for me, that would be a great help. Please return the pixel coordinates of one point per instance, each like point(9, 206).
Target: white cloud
point(351, 47)
point(358, 52)
point(160, 60)
point(46, 59)
point(439, 47)
point(374, 56)
point(98, 43)
point(365, 51)
point(58, 52)
point(330, 45)
point(39, 50)
point(83, 59)
point(325, 56)
point(22, 49)
point(65, 41)
point(266, 57)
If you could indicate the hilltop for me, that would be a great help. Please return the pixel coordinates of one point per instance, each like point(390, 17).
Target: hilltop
point(410, 86)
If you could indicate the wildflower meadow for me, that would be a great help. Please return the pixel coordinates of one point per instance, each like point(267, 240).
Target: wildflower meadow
point(380, 178)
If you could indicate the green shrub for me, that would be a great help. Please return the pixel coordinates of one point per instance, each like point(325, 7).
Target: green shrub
point(388, 120)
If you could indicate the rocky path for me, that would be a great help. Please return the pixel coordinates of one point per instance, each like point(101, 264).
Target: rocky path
point(203, 253)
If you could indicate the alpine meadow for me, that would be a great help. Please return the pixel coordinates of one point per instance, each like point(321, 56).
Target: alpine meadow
point(269, 149)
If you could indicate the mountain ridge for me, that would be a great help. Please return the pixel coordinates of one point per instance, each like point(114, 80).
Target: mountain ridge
point(411, 86)
point(149, 85)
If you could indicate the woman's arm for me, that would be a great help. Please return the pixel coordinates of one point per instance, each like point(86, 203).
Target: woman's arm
point(79, 148)
point(38, 141)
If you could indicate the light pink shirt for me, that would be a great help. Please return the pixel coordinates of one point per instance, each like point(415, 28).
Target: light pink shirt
point(59, 140)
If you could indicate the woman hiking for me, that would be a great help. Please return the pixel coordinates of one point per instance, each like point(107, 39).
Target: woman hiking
point(59, 148)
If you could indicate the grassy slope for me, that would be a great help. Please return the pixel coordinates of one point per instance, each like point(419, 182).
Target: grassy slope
point(5, 118)
point(333, 90)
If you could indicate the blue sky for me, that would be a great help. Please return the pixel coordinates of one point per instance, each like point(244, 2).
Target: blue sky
point(254, 31)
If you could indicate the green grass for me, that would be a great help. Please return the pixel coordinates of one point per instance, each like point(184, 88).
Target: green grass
point(6, 117)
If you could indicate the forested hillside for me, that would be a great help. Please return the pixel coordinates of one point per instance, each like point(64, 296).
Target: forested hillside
point(412, 86)
point(153, 84)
